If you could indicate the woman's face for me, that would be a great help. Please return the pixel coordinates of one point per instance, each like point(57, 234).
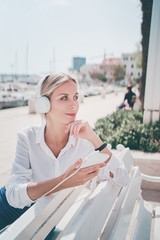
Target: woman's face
point(64, 103)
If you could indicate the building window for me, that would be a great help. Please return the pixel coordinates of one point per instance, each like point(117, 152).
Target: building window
point(132, 66)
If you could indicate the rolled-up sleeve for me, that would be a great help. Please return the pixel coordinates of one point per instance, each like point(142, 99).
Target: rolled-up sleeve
point(16, 187)
point(115, 166)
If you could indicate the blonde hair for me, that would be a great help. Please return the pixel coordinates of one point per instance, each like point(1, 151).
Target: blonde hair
point(53, 81)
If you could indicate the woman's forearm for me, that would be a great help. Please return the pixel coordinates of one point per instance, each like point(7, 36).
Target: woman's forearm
point(38, 189)
point(97, 142)
point(70, 178)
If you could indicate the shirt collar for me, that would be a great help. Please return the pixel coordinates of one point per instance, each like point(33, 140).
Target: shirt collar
point(40, 133)
point(71, 142)
point(40, 137)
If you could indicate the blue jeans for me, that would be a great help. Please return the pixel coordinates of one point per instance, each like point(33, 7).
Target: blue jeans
point(122, 106)
point(8, 214)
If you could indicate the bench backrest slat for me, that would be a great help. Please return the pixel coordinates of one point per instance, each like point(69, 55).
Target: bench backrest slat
point(73, 211)
point(157, 223)
point(142, 221)
point(57, 215)
point(38, 215)
point(127, 158)
point(113, 218)
point(84, 226)
point(121, 226)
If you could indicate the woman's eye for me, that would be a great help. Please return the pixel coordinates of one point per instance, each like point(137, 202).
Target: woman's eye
point(64, 98)
point(76, 97)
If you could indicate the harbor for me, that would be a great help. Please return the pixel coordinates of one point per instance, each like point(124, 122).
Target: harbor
point(15, 94)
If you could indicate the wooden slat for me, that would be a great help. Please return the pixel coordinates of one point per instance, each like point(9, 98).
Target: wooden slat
point(127, 158)
point(27, 225)
point(110, 221)
point(71, 214)
point(142, 225)
point(157, 224)
point(97, 207)
point(133, 219)
point(57, 215)
point(123, 216)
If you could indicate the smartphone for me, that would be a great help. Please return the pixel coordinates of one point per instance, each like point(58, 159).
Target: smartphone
point(94, 158)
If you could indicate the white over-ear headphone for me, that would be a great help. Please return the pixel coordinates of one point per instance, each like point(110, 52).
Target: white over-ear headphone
point(42, 103)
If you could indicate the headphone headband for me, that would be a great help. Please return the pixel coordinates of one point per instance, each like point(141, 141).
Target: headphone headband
point(39, 85)
point(42, 103)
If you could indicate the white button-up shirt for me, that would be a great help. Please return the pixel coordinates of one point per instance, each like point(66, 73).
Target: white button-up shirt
point(34, 162)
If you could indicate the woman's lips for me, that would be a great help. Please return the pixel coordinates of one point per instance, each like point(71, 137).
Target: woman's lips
point(71, 114)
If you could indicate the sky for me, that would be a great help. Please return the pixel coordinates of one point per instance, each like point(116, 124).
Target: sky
point(42, 36)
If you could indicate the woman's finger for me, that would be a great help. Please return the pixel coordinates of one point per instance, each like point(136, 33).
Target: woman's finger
point(73, 167)
point(70, 126)
point(92, 175)
point(73, 127)
point(94, 167)
point(77, 164)
point(77, 127)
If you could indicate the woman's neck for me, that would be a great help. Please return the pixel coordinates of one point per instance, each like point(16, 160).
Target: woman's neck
point(55, 135)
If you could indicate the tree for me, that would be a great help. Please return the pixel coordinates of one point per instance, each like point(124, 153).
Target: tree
point(138, 55)
point(118, 72)
point(98, 76)
point(145, 30)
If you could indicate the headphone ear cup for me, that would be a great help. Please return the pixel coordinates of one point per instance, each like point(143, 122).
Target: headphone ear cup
point(42, 104)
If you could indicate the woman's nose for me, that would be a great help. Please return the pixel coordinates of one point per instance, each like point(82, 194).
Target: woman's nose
point(73, 105)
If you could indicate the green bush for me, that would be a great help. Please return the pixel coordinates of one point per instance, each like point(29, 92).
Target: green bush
point(126, 127)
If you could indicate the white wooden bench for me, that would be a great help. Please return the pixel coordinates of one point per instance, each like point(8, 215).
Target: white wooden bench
point(98, 210)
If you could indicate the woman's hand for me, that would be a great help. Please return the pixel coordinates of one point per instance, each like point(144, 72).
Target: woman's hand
point(80, 128)
point(82, 176)
point(39, 189)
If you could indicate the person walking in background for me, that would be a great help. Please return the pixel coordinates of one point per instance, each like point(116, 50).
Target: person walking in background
point(130, 97)
point(48, 157)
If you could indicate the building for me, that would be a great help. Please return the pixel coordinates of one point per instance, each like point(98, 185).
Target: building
point(78, 62)
point(129, 63)
point(107, 67)
point(111, 61)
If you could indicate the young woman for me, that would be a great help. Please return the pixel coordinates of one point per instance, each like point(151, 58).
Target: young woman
point(48, 154)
